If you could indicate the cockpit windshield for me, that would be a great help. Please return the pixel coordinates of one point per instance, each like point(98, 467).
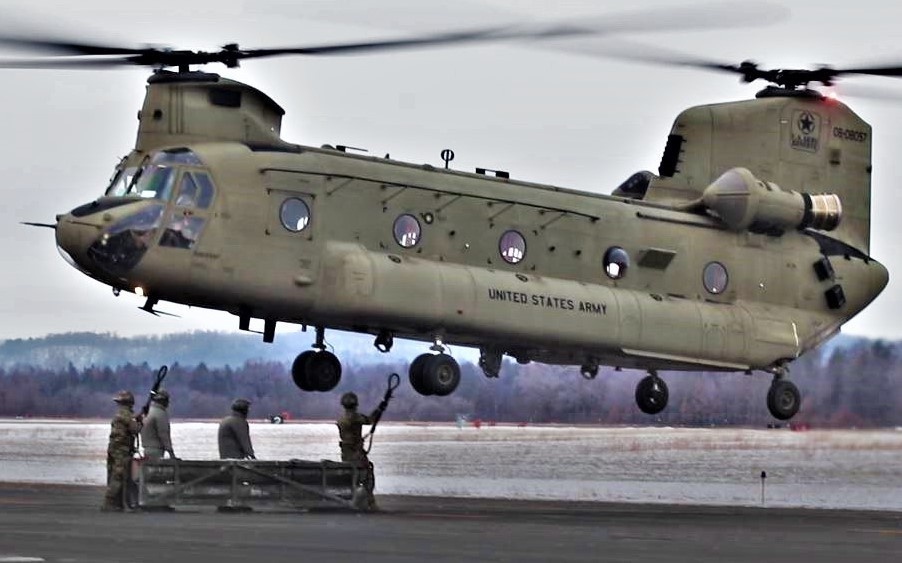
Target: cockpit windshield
point(121, 180)
point(155, 178)
point(153, 181)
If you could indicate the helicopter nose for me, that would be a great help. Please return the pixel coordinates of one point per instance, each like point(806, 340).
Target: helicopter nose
point(73, 238)
point(879, 277)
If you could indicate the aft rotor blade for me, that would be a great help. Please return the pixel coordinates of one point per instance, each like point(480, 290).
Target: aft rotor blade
point(710, 16)
point(860, 91)
point(874, 71)
point(643, 53)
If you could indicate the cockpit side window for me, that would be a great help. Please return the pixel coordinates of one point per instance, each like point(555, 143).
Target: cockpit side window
point(195, 190)
point(182, 230)
point(205, 186)
point(187, 192)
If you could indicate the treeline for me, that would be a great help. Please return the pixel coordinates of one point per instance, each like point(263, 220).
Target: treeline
point(856, 385)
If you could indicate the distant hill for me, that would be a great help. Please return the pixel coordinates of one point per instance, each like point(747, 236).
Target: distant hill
point(220, 349)
point(848, 383)
point(214, 349)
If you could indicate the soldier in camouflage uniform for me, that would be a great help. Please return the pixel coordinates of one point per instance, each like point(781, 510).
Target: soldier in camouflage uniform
point(155, 430)
point(350, 431)
point(234, 433)
point(123, 430)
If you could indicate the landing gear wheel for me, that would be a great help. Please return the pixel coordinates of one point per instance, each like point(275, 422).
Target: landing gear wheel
point(783, 399)
point(323, 371)
point(416, 374)
point(651, 394)
point(299, 371)
point(441, 374)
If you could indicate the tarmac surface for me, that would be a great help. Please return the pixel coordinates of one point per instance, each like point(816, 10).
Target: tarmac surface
point(58, 523)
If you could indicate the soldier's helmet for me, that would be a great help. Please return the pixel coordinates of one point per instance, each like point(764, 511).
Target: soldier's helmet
point(161, 396)
point(241, 405)
point(124, 398)
point(349, 400)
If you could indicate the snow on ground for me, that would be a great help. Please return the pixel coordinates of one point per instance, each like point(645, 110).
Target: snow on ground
point(830, 469)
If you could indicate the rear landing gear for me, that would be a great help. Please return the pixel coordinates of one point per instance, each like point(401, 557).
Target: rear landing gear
point(316, 370)
point(434, 374)
point(783, 398)
point(651, 394)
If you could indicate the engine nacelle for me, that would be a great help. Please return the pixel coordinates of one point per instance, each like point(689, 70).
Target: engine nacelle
point(743, 202)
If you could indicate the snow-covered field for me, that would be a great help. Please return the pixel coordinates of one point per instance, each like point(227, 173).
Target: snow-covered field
point(831, 469)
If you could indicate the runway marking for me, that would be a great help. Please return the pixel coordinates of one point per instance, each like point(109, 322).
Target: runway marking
point(19, 559)
point(864, 531)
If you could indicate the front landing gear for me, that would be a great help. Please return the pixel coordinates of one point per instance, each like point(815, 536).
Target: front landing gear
point(316, 370)
point(490, 361)
point(434, 374)
point(651, 394)
point(783, 398)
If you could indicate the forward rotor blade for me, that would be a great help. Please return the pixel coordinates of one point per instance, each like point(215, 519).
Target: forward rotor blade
point(66, 63)
point(702, 16)
point(66, 47)
point(390, 44)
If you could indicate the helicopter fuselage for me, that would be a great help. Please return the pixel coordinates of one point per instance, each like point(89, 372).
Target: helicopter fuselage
point(711, 265)
point(535, 271)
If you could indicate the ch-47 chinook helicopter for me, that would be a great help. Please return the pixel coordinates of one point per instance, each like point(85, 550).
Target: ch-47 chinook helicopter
point(748, 248)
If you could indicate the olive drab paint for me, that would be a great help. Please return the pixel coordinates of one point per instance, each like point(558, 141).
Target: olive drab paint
point(711, 265)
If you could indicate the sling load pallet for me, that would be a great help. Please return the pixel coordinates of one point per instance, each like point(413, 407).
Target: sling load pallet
point(232, 484)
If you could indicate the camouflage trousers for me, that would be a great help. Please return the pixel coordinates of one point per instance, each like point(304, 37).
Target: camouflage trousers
point(366, 476)
point(118, 476)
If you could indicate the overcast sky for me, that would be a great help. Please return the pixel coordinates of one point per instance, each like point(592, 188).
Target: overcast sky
point(545, 115)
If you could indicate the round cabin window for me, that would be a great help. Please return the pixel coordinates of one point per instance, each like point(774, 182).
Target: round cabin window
point(715, 278)
point(512, 247)
point(616, 262)
point(407, 231)
point(294, 214)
